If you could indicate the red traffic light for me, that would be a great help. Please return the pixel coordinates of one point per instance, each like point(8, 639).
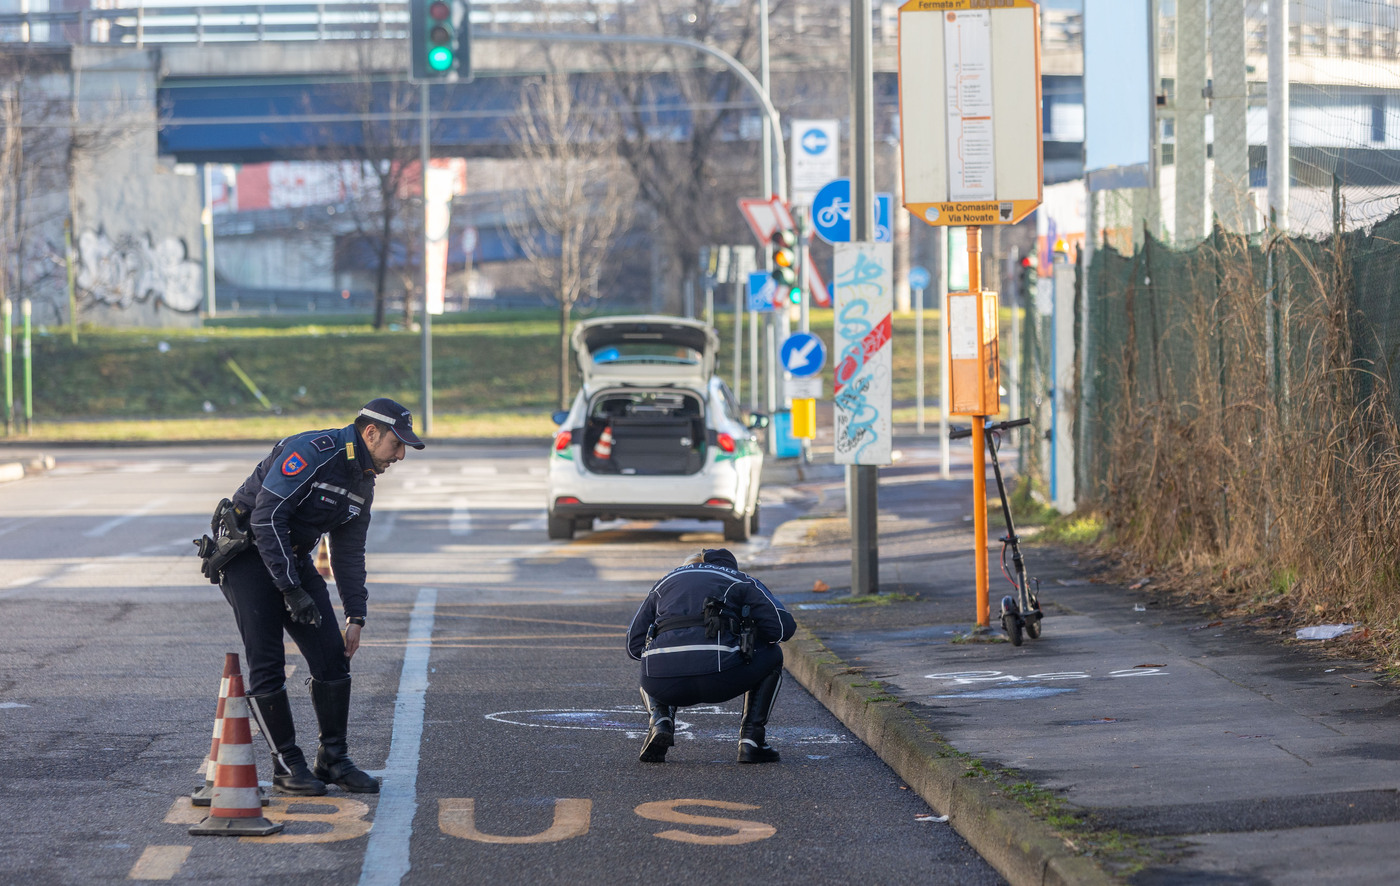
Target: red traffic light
point(439, 11)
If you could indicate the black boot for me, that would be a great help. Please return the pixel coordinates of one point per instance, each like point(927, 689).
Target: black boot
point(758, 704)
point(662, 733)
point(333, 763)
point(289, 773)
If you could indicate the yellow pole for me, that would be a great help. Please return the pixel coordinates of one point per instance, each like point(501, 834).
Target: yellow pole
point(979, 442)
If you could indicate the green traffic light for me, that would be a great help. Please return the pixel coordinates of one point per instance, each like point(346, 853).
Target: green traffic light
point(795, 295)
point(439, 58)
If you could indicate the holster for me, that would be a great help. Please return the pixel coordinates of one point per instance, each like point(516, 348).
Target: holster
point(229, 537)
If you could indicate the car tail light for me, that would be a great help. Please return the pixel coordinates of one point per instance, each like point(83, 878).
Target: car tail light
point(726, 442)
point(719, 503)
point(566, 500)
point(562, 439)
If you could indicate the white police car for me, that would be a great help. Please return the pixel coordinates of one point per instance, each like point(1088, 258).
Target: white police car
point(653, 434)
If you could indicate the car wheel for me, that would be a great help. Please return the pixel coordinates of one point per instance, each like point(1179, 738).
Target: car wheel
point(561, 528)
point(736, 529)
point(753, 520)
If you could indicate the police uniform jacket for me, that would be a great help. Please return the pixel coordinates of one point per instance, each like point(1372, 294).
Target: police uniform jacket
point(313, 483)
point(687, 651)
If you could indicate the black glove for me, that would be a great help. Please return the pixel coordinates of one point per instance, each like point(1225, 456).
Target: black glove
point(301, 606)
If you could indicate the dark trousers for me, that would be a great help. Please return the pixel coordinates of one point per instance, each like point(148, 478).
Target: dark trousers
point(718, 687)
point(262, 616)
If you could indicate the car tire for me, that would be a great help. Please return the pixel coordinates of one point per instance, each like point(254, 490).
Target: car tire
point(736, 529)
point(753, 520)
point(561, 528)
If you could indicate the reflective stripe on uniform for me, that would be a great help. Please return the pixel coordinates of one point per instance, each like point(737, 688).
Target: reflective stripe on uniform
point(708, 647)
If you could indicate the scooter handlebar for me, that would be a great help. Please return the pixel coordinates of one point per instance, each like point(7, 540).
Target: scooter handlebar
point(963, 433)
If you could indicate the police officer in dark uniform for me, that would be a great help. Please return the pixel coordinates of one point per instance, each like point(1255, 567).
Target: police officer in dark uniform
point(705, 634)
point(313, 483)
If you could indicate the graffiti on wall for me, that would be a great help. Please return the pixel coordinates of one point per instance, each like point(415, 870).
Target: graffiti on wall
point(134, 269)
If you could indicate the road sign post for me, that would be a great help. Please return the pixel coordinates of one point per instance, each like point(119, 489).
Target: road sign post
point(970, 130)
point(918, 280)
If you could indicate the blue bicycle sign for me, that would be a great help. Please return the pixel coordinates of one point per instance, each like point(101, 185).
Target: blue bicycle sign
point(831, 213)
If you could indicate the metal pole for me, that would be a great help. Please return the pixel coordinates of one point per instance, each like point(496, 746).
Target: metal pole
point(207, 220)
point(26, 308)
point(7, 308)
point(740, 294)
point(424, 154)
point(864, 484)
point(1279, 173)
point(766, 138)
point(754, 394)
point(919, 358)
point(940, 291)
point(1086, 366)
point(803, 281)
point(68, 271)
point(979, 445)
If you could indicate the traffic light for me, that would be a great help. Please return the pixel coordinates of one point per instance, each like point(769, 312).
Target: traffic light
point(439, 39)
point(789, 287)
point(1030, 278)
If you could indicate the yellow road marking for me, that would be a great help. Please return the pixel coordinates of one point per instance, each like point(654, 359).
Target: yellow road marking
point(744, 831)
point(346, 819)
point(457, 818)
point(159, 863)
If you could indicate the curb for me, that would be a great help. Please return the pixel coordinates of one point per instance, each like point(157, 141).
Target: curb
point(1022, 848)
point(18, 470)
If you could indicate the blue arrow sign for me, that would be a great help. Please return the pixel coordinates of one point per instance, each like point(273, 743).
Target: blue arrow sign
point(814, 141)
point(760, 291)
point(919, 277)
point(803, 354)
point(831, 213)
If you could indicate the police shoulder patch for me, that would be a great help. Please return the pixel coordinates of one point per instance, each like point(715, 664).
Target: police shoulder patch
point(323, 443)
point(293, 465)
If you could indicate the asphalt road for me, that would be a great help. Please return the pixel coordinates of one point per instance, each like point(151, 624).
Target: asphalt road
point(492, 693)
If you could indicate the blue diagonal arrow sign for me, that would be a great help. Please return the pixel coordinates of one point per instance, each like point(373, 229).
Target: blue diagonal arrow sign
point(803, 354)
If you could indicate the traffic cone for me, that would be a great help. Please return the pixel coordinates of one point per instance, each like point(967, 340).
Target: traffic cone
point(202, 795)
point(235, 809)
point(323, 558)
point(603, 448)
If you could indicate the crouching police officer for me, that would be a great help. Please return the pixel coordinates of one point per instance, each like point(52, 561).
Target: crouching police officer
point(705, 634)
point(311, 483)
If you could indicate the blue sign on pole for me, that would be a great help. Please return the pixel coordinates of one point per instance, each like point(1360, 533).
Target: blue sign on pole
point(919, 277)
point(814, 141)
point(831, 213)
point(803, 354)
point(760, 291)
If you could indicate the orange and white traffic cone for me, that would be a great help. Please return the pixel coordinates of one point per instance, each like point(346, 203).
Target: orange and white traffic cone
point(603, 448)
point(235, 809)
point(202, 795)
point(323, 558)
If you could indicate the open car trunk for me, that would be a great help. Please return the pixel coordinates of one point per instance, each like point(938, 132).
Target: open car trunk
point(645, 432)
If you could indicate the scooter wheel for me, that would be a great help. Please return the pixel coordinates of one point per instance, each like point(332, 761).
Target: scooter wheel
point(1012, 625)
point(1033, 627)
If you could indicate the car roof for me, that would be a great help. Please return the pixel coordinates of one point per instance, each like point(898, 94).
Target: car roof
point(684, 350)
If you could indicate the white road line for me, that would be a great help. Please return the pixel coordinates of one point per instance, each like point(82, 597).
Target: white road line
point(103, 528)
point(387, 855)
point(460, 523)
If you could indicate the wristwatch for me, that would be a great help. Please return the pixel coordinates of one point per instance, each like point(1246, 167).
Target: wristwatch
point(355, 620)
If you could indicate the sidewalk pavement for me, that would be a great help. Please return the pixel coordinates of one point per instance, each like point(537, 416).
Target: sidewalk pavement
point(1136, 740)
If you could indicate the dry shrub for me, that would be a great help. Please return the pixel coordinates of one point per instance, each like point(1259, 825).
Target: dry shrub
point(1260, 467)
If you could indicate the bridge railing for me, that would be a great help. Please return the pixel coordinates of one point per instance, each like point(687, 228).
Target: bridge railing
point(209, 24)
point(141, 24)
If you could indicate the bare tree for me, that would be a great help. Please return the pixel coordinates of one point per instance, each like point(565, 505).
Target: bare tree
point(681, 134)
point(576, 199)
point(379, 171)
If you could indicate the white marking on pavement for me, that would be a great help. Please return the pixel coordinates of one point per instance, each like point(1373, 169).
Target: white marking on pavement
point(387, 855)
point(460, 523)
point(104, 528)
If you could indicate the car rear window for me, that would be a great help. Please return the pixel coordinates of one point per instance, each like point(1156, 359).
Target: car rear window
point(647, 352)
